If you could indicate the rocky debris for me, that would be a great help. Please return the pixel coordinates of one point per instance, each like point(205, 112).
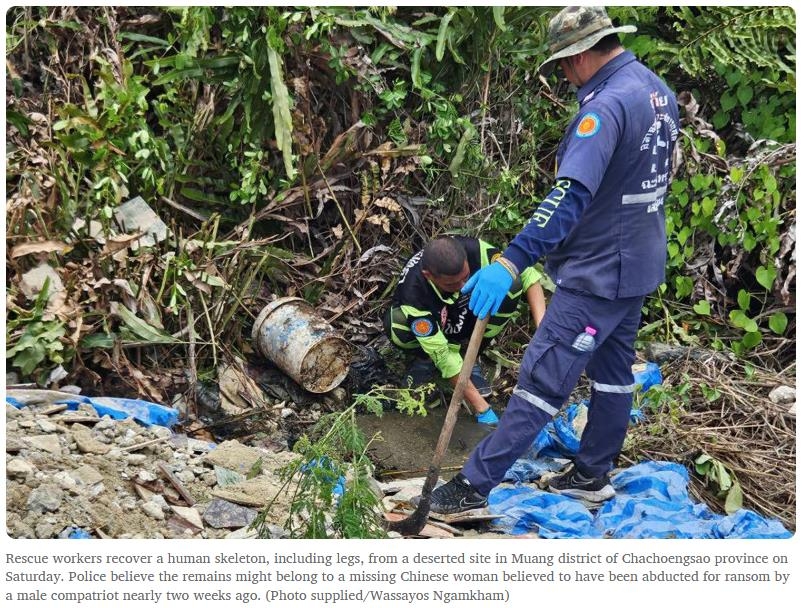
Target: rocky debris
point(224, 514)
point(664, 353)
point(783, 394)
point(77, 474)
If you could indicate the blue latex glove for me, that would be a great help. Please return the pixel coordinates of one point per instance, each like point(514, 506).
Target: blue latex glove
point(489, 286)
point(487, 417)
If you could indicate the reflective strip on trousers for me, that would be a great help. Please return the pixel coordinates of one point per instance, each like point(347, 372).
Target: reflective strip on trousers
point(535, 401)
point(614, 388)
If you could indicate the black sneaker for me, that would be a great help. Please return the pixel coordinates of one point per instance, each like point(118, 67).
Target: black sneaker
point(480, 383)
point(420, 371)
point(575, 485)
point(455, 496)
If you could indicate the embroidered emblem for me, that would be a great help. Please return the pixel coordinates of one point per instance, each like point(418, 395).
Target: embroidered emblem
point(421, 327)
point(588, 126)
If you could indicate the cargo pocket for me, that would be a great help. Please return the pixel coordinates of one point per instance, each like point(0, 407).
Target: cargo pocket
point(552, 368)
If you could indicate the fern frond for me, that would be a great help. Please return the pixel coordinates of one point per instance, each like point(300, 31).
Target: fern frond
point(745, 36)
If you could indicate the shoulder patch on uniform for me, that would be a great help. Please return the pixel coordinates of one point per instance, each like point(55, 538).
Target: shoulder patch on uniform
point(421, 327)
point(588, 125)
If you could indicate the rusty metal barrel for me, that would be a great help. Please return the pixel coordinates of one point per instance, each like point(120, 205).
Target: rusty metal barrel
point(289, 332)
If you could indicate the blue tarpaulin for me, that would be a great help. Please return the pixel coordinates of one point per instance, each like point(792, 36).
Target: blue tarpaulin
point(651, 501)
point(118, 408)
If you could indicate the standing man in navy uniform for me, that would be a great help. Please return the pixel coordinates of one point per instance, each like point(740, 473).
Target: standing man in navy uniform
point(430, 319)
point(602, 230)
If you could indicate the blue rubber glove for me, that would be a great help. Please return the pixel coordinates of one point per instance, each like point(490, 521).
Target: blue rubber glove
point(487, 417)
point(489, 286)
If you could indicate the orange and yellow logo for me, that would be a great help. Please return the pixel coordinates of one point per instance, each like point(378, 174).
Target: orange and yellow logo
point(588, 126)
point(422, 327)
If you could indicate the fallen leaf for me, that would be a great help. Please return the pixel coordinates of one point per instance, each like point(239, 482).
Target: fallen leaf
point(39, 247)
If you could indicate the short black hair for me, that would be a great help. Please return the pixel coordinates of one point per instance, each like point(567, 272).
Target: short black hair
point(444, 256)
point(607, 43)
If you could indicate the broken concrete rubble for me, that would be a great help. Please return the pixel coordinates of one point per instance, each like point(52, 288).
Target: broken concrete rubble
point(65, 478)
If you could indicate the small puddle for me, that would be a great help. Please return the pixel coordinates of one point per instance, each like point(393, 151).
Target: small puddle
point(409, 442)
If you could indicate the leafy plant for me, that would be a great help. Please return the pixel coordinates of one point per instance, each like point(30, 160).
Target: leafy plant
point(721, 480)
point(410, 401)
point(332, 497)
point(32, 340)
point(665, 402)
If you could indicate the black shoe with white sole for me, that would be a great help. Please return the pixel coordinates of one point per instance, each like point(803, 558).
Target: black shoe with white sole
point(576, 485)
point(455, 496)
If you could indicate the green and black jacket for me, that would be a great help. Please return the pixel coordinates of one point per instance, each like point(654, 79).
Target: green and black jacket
point(421, 317)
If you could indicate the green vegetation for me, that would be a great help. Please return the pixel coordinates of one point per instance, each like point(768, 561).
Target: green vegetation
point(308, 150)
point(331, 494)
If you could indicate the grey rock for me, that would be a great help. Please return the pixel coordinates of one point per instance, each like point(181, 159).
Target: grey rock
point(45, 530)
point(243, 533)
point(106, 424)
point(86, 475)
point(87, 408)
point(13, 412)
point(151, 509)
point(224, 514)
point(86, 443)
point(47, 497)
point(33, 281)
point(227, 477)
point(209, 479)
point(135, 459)
point(135, 215)
point(146, 475)
point(160, 432)
point(18, 467)
point(158, 499)
point(186, 476)
point(189, 514)
point(783, 394)
point(115, 453)
point(46, 426)
point(71, 388)
point(64, 480)
point(196, 445)
point(48, 443)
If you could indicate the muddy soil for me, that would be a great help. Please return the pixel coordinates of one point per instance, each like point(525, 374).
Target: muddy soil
point(408, 442)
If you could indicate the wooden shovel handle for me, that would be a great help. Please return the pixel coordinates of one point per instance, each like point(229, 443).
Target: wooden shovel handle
point(414, 524)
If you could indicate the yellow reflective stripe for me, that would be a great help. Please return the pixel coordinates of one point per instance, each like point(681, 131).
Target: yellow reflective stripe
point(484, 252)
point(529, 277)
point(445, 356)
point(412, 311)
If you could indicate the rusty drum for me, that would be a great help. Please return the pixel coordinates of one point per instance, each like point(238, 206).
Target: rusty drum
point(303, 345)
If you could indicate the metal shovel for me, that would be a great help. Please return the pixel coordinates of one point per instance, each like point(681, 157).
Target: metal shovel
point(413, 524)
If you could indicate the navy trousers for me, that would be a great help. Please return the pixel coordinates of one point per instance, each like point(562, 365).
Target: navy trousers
point(549, 372)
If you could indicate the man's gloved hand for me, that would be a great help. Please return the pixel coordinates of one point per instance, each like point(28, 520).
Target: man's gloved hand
point(487, 417)
point(489, 286)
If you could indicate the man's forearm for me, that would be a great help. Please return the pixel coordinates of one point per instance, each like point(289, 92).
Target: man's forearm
point(471, 396)
point(535, 297)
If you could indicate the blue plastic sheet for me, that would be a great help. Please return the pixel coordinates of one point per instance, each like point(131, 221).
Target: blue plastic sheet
point(651, 501)
point(327, 465)
point(119, 408)
point(646, 375)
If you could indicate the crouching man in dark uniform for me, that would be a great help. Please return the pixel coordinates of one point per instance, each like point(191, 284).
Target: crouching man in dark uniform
point(602, 228)
point(430, 318)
